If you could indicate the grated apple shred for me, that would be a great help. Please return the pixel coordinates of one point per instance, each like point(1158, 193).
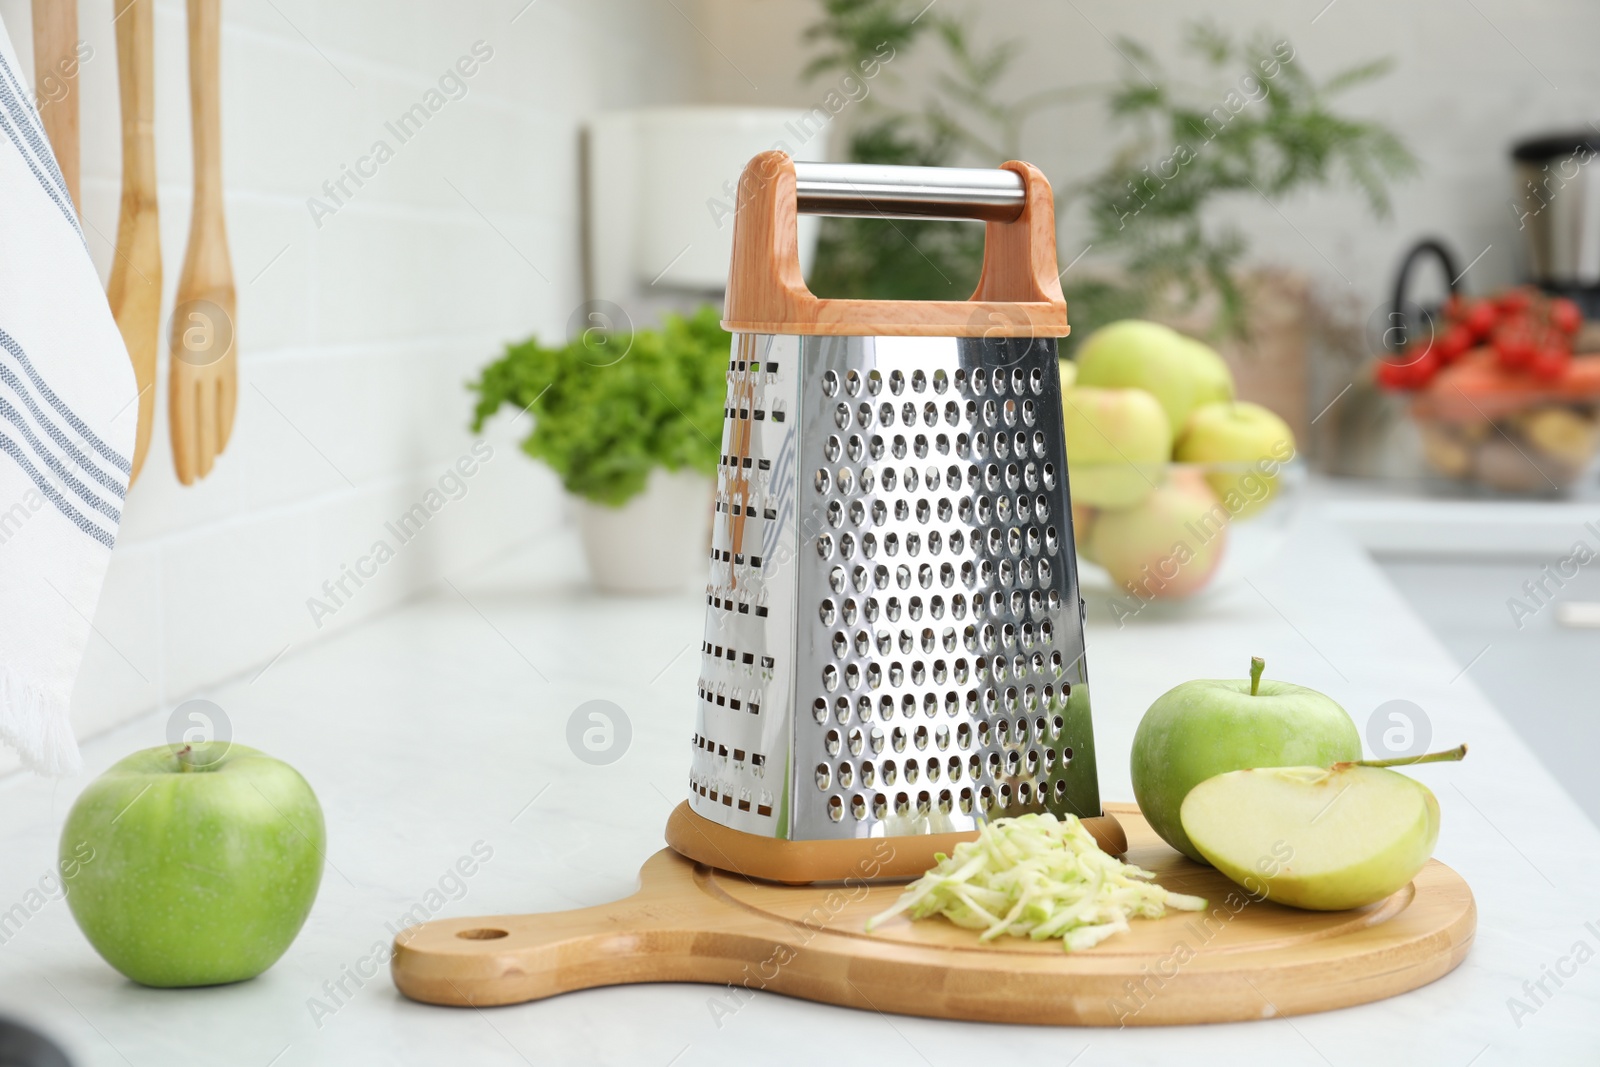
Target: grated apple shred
point(1039, 877)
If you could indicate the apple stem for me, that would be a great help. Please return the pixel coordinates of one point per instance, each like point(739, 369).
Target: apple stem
point(1447, 756)
point(185, 758)
point(1257, 665)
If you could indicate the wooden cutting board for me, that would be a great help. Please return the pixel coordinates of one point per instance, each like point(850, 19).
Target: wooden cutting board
point(690, 923)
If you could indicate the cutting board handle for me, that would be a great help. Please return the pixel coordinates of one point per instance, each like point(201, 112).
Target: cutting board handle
point(1018, 293)
point(650, 936)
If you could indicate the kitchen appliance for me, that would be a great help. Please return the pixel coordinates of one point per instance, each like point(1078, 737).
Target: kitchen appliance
point(1558, 209)
point(893, 649)
point(204, 373)
point(660, 196)
point(1244, 959)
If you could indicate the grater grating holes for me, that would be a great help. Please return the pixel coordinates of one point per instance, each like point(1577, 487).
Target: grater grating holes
point(878, 606)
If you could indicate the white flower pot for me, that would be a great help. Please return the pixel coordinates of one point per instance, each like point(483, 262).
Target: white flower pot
point(656, 541)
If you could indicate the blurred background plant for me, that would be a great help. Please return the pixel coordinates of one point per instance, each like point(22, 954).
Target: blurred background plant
point(1254, 123)
point(609, 407)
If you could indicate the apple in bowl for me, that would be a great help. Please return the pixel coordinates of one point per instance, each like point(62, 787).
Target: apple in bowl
point(1117, 443)
point(1180, 372)
point(1243, 446)
point(1167, 546)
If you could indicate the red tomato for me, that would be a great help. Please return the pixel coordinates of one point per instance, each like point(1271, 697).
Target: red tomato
point(1513, 343)
point(1391, 374)
point(1565, 316)
point(1453, 344)
point(1482, 318)
point(1456, 307)
point(1549, 364)
point(1423, 368)
point(1546, 336)
point(1515, 301)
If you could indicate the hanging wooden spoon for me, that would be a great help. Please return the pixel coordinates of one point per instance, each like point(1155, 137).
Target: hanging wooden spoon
point(135, 289)
point(204, 374)
point(55, 83)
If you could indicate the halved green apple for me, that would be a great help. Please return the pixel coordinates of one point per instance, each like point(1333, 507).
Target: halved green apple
point(1320, 838)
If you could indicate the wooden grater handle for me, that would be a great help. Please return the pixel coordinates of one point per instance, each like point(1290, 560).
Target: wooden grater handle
point(1018, 293)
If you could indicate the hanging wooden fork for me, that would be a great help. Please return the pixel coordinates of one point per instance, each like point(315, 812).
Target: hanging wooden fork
point(203, 380)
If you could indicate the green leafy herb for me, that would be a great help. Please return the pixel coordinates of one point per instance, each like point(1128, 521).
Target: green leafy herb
point(1039, 877)
point(609, 407)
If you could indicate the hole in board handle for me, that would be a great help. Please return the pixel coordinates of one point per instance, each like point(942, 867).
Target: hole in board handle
point(481, 933)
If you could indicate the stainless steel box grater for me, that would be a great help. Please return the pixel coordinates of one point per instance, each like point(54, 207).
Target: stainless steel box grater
point(894, 638)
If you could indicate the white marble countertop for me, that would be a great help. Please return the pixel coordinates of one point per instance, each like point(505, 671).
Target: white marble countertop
point(442, 725)
point(1395, 520)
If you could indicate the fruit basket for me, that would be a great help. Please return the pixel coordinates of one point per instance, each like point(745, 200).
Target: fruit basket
point(1504, 390)
point(1198, 528)
point(1510, 433)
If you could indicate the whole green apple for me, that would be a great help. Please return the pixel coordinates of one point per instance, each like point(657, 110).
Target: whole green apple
point(1312, 837)
point(1204, 728)
point(1167, 546)
point(1180, 372)
point(206, 861)
point(1244, 444)
point(1213, 380)
point(1117, 444)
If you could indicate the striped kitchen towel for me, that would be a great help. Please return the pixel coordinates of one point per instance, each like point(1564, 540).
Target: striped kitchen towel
point(67, 419)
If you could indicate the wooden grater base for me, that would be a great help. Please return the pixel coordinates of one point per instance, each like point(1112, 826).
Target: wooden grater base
point(851, 859)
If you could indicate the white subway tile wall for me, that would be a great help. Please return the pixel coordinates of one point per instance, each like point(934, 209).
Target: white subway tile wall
point(361, 315)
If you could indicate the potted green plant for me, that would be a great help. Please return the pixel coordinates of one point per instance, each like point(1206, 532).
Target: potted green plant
point(1240, 118)
point(631, 422)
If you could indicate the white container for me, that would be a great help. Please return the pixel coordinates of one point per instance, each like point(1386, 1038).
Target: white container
point(662, 190)
point(656, 542)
